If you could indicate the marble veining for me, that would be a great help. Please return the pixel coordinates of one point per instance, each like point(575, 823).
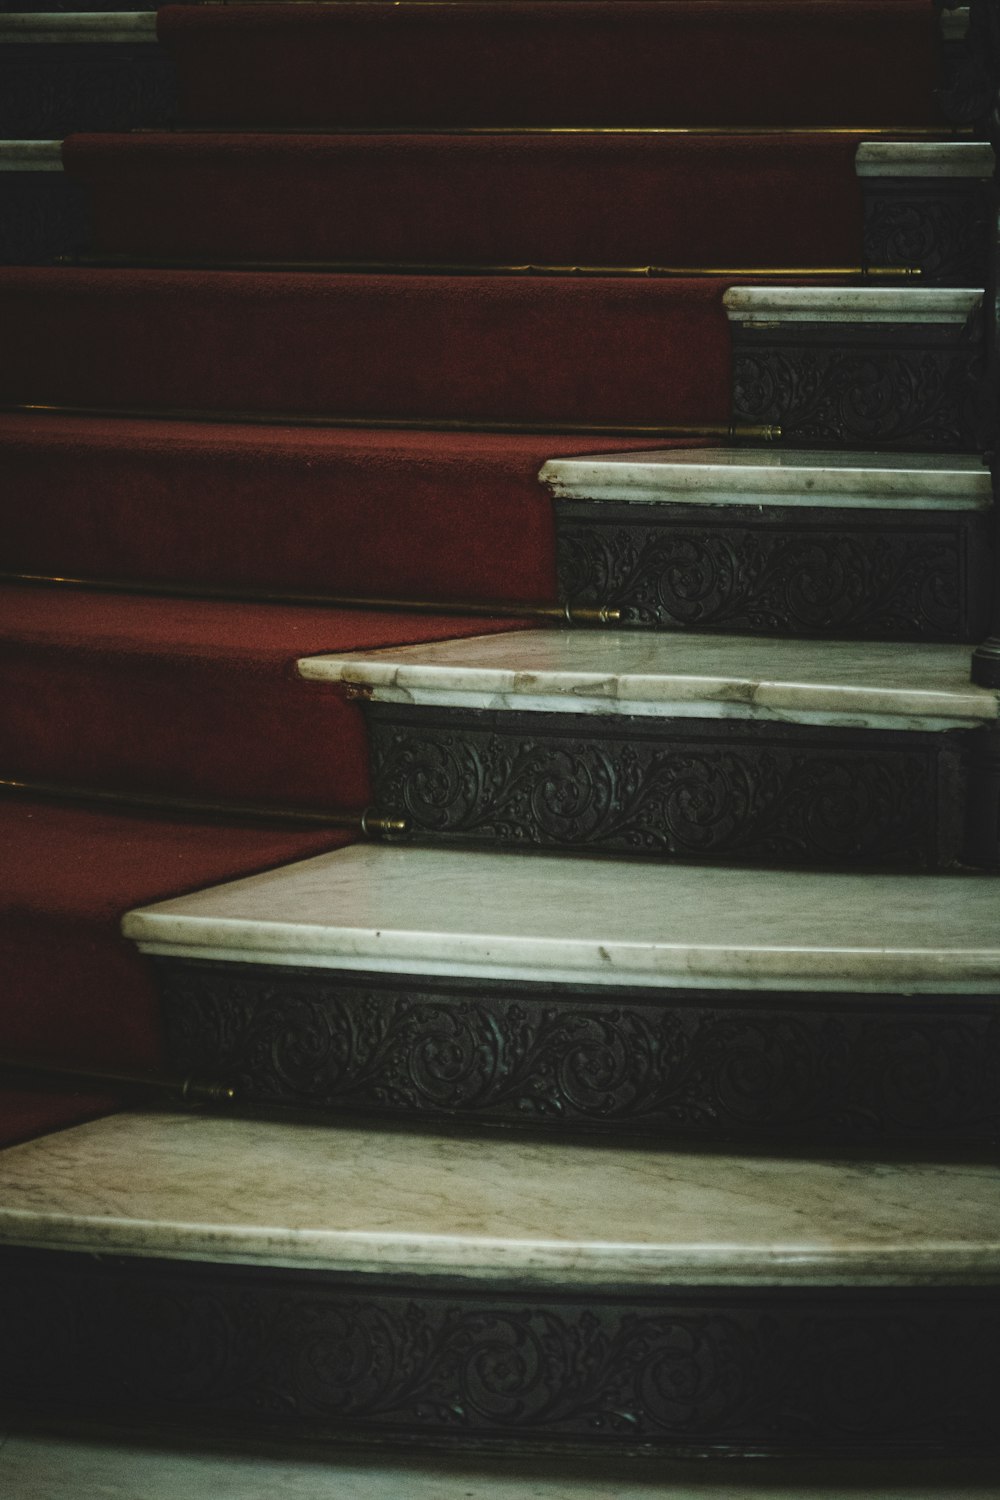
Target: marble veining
point(854, 684)
point(46, 27)
point(535, 916)
point(924, 159)
point(766, 477)
point(400, 1203)
point(54, 1466)
point(840, 304)
point(31, 156)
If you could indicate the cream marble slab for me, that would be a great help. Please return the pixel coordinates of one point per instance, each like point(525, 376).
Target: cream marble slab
point(775, 477)
point(594, 921)
point(47, 1466)
point(924, 159)
point(955, 23)
point(853, 684)
point(44, 27)
point(837, 304)
point(31, 156)
point(401, 1203)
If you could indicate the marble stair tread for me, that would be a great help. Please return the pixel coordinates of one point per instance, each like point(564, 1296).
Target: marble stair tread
point(350, 1199)
point(594, 921)
point(924, 159)
point(775, 477)
point(31, 156)
point(56, 1466)
point(854, 684)
point(757, 305)
point(45, 28)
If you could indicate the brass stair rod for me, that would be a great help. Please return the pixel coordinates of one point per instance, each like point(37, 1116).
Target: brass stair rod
point(188, 1090)
point(563, 614)
point(472, 268)
point(724, 431)
point(944, 131)
point(368, 823)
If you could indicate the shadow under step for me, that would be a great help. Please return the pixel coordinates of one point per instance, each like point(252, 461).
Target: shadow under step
point(683, 746)
point(669, 1003)
point(515, 1292)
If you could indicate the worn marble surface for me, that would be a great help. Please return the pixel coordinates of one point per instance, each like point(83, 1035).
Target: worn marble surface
point(599, 921)
point(855, 684)
point(31, 156)
point(954, 23)
point(775, 476)
point(50, 1466)
point(841, 304)
point(421, 1203)
point(924, 159)
point(46, 27)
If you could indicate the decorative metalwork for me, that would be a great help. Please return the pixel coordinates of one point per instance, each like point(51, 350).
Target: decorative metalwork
point(679, 788)
point(49, 90)
point(732, 1371)
point(939, 226)
point(671, 1064)
point(872, 577)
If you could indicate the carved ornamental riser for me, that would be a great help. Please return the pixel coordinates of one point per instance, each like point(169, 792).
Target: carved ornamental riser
point(939, 227)
point(672, 788)
point(726, 1066)
point(910, 387)
point(47, 92)
point(42, 215)
point(927, 578)
point(786, 1370)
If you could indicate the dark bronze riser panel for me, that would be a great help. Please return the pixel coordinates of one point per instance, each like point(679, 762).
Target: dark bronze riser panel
point(42, 215)
point(683, 1371)
point(941, 226)
point(682, 1065)
point(911, 387)
point(812, 572)
point(47, 91)
point(672, 788)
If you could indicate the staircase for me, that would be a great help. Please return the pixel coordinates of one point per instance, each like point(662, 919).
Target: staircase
point(501, 832)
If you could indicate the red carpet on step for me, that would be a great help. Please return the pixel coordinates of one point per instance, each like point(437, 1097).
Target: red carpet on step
point(448, 516)
point(190, 697)
point(543, 62)
point(74, 990)
point(594, 199)
point(545, 349)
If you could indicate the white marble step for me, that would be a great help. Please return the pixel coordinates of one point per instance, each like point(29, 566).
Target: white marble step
point(852, 684)
point(36, 1466)
point(775, 477)
point(593, 922)
point(31, 156)
point(44, 28)
point(924, 159)
point(753, 306)
point(418, 1204)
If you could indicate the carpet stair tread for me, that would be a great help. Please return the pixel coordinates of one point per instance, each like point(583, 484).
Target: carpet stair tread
point(151, 695)
point(535, 63)
point(74, 990)
point(393, 514)
point(600, 199)
point(547, 349)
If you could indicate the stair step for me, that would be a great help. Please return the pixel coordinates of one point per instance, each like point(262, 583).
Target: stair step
point(679, 746)
point(538, 63)
point(844, 544)
point(93, 70)
point(405, 515)
point(75, 993)
point(551, 350)
point(522, 1292)
point(859, 366)
point(671, 1002)
point(928, 202)
point(605, 198)
point(91, 1468)
point(151, 695)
